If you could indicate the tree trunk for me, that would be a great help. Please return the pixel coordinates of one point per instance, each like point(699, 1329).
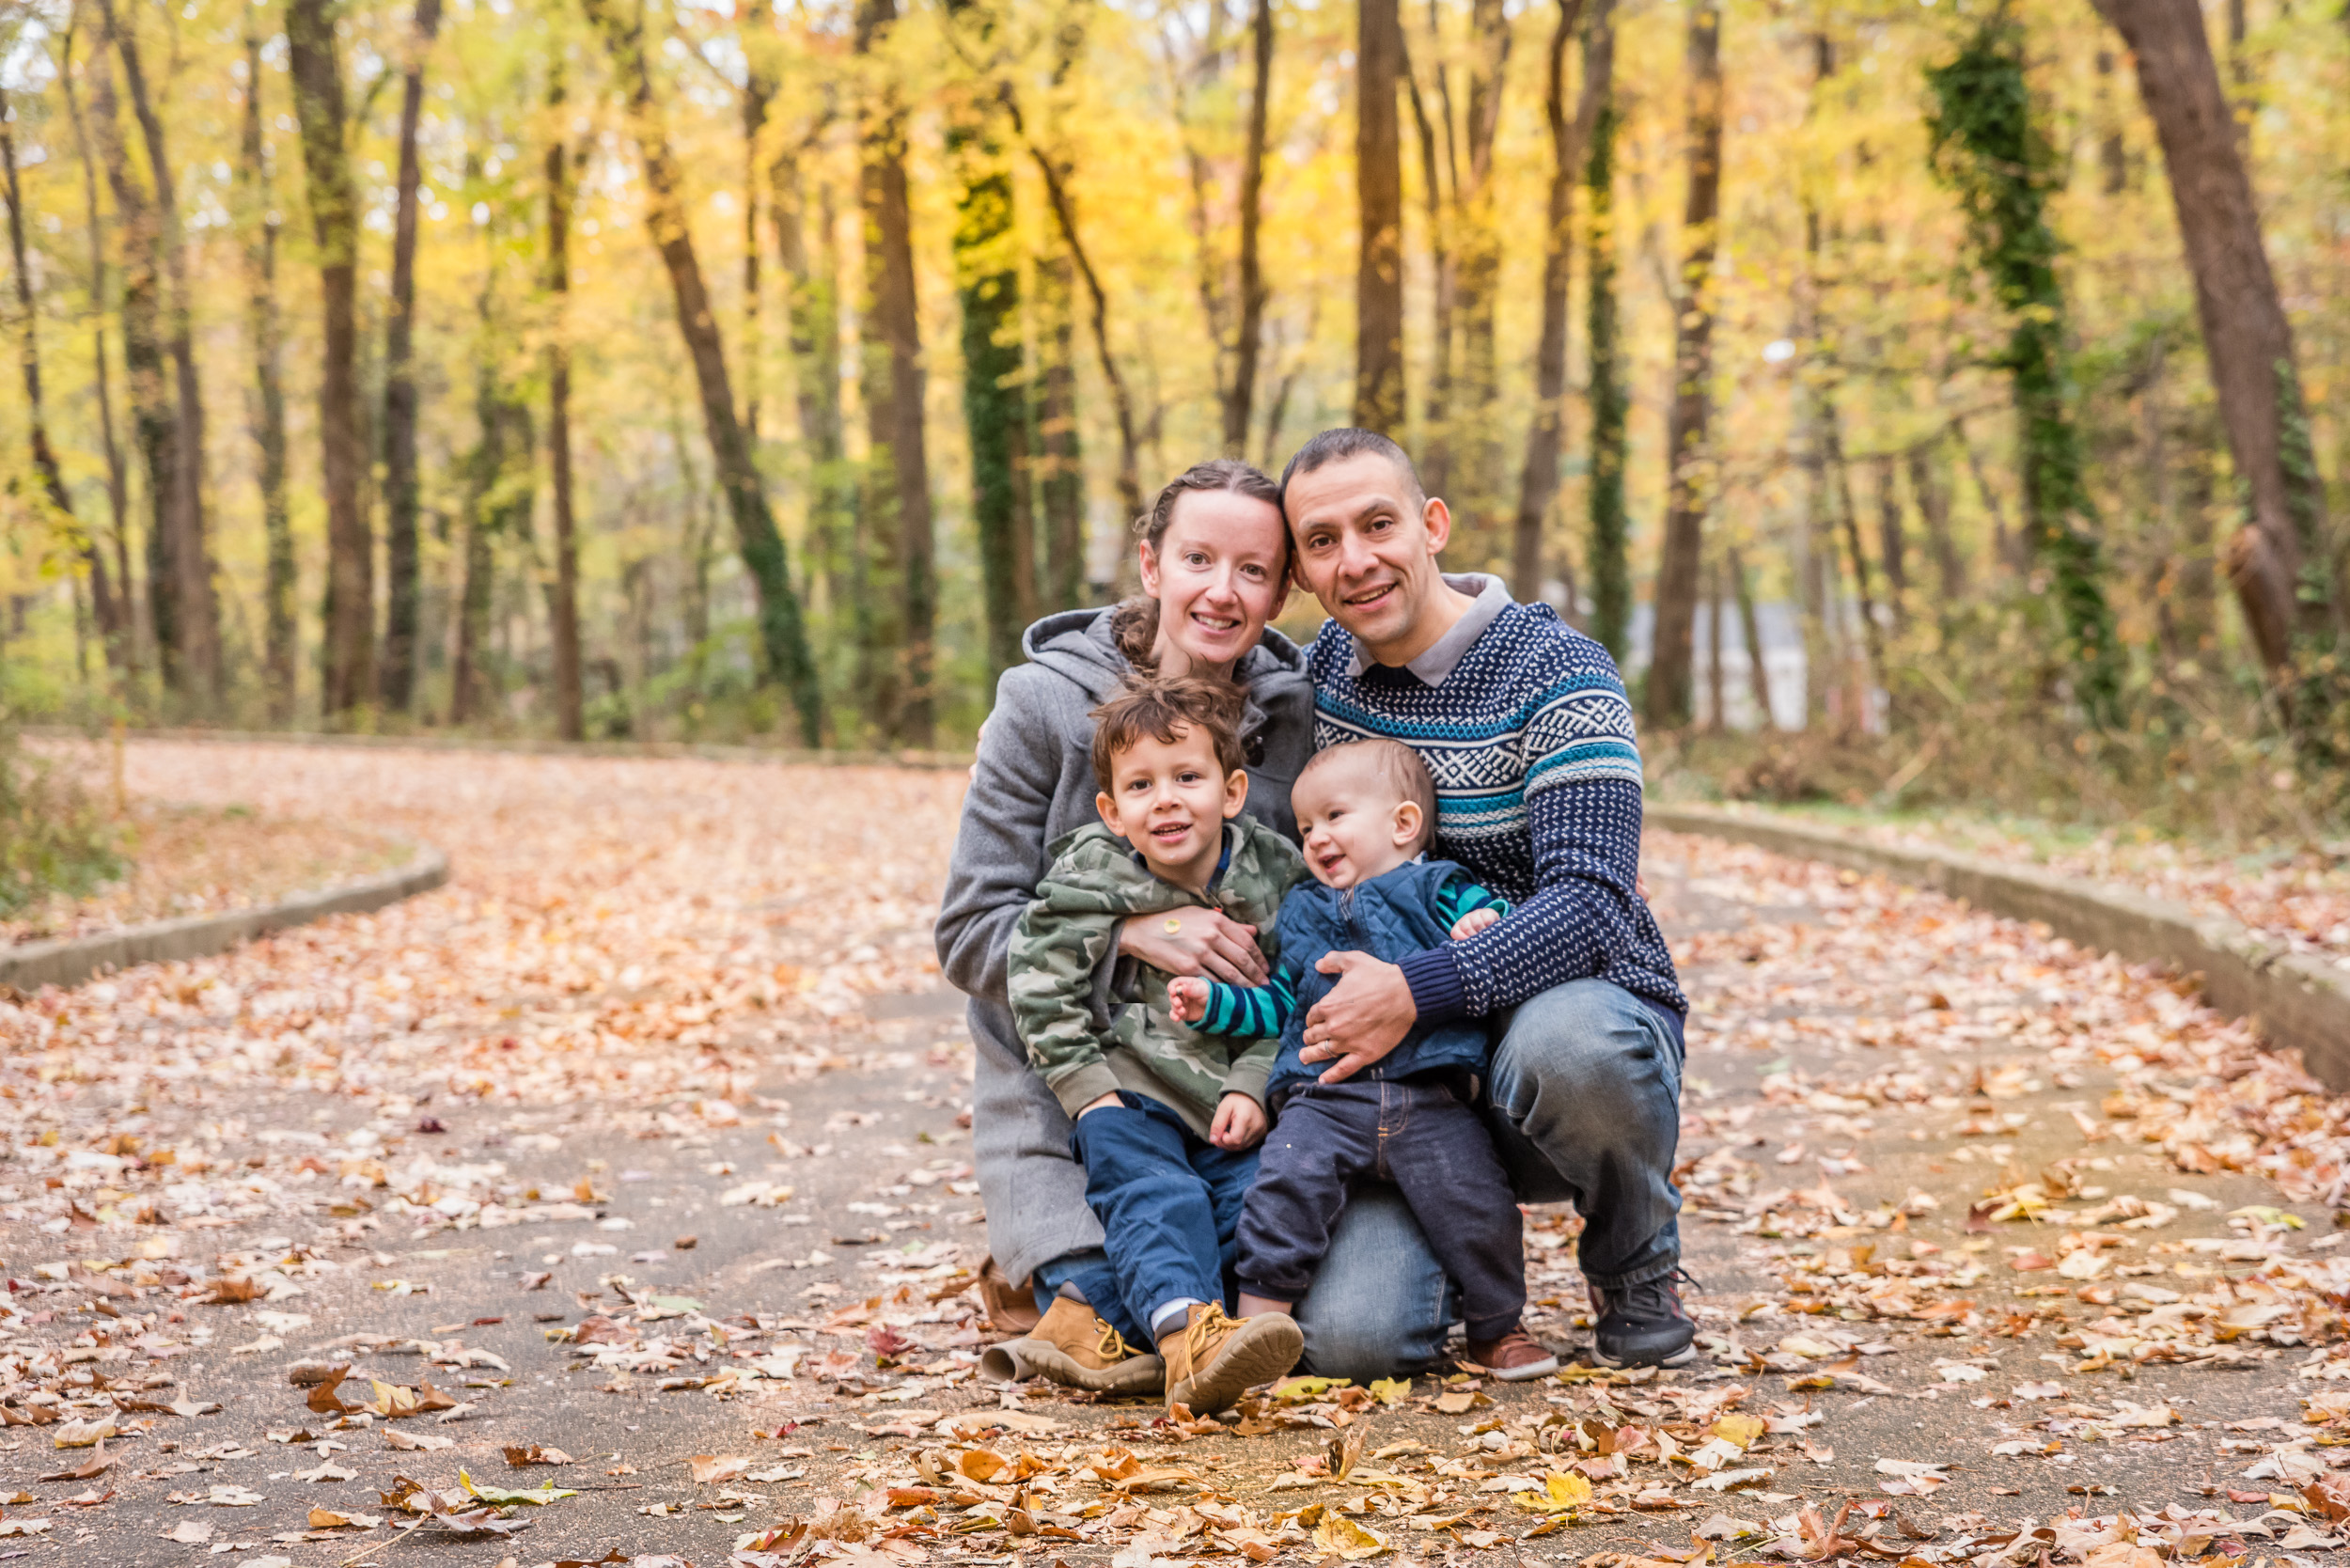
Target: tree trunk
point(1379, 190)
point(106, 608)
point(1987, 145)
point(318, 83)
point(1688, 487)
point(124, 655)
point(761, 547)
point(398, 675)
point(1750, 625)
point(2278, 561)
point(1864, 591)
point(1932, 486)
point(994, 391)
point(2003, 550)
point(1611, 581)
point(1248, 344)
point(1538, 481)
point(1476, 412)
point(812, 308)
point(269, 427)
point(1060, 478)
point(759, 94)
point(195, 604)
point(154, 416)
point(1434, 459)
point(895, 493)
point(563, 594)
point(1892, 549)
point(1716, 715)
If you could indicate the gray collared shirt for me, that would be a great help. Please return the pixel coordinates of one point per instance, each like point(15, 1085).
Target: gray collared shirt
point(1490, 596)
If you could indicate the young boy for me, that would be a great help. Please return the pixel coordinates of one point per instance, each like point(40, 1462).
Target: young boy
point(1366, 811)
point(1166, 1119)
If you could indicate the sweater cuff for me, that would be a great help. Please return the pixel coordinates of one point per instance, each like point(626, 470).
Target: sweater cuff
point(1437, 991)
point(1247, 1077)
point(1081, 1087)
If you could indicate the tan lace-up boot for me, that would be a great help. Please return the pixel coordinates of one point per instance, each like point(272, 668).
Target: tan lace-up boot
point(1213, 1358)
point(1071, 1346)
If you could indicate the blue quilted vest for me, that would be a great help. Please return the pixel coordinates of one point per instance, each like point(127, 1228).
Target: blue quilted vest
point(1390, 917)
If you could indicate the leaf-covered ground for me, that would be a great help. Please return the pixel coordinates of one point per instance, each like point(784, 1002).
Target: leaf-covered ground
point(617, 1199)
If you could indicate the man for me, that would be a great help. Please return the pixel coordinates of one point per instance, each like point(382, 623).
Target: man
point(1525, 727)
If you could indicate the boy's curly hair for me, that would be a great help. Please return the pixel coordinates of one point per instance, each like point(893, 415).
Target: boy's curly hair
point(1162, 708)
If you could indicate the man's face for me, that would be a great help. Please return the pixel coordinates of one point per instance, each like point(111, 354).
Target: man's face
point(1367, 547)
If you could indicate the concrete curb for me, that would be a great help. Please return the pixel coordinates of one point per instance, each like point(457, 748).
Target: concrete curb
point(655, 749)
point(71, 961)
point(2295, 1000)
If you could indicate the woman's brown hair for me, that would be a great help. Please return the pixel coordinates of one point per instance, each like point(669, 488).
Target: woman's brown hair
point(1135, 623)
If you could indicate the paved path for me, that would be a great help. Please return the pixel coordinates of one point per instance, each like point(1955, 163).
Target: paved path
point(642, 1142)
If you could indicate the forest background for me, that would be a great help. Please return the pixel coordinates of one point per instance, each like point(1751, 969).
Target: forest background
point(611, 368)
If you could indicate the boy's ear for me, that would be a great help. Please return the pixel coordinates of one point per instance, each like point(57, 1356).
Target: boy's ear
point(1235, 793)
point(1407, 822)
point(1108, 808)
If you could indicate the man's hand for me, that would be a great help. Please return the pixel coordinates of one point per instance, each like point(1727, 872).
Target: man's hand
point(1240, 1121)
point(1474, 922)
point(1195, 941)
point(1366, 1015)
point(1187, 998)
point(1106, 1102)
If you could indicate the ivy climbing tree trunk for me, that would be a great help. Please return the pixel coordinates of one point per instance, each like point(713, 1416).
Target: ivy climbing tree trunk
point(396, 676)
point(563, 593)
point(994, 391)
point(1379, 192)
point(1538, 479)
point(1060, 471)
point(2278, 561)
point(895, 499)
point(1687, 485)
point(782, 639)
point(195, 605)
point(106, 608)
point(264, 325)
point(319, 108)
point(1610, 571)
point(1989, 149)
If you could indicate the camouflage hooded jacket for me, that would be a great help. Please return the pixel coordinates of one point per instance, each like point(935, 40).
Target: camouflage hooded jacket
point(1093, 1028)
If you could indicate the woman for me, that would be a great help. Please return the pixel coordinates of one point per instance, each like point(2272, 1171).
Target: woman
point(1214, 556)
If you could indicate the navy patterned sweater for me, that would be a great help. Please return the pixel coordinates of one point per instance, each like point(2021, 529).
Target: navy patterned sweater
point(1537, 794)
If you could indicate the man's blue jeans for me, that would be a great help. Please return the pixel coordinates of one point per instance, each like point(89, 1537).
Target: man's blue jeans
point(1586, 1106)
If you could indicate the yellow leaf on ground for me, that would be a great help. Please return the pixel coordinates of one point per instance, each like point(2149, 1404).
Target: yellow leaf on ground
point(1559, 1494)
point(1341, 1537)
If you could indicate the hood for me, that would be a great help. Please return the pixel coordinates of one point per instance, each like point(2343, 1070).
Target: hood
point(1076, 646)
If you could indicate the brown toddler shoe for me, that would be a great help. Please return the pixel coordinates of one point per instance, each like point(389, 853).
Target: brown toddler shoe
point(1074, 1347)
point(1213, 1358)
point(1517, 1356)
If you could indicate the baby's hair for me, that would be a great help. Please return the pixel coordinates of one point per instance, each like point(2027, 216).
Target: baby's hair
point(1393, 764)
point(1162, 708)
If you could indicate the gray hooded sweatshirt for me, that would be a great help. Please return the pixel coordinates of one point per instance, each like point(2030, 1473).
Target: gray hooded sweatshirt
point(1034, 782)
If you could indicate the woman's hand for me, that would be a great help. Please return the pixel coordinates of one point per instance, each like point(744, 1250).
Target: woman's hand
point(1239, 1123)
point(1195, 941)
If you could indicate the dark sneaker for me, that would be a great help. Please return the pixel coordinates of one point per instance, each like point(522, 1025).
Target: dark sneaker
point(1643, 1326)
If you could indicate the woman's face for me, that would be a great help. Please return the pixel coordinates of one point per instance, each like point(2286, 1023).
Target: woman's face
point(1219, 572)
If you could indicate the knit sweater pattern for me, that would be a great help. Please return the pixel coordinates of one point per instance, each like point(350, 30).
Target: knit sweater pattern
point(1529, 740)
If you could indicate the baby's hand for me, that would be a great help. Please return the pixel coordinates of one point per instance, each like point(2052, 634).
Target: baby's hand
point(1474, 922)
point(1188, 996)
point(1240, 1122)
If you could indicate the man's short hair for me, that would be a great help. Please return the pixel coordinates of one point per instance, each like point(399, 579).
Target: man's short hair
point(1338, 446)
point(1162, 708)
point(1393, 764)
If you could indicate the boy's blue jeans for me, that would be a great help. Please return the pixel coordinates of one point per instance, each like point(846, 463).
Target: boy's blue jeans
point(1168, 1202)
